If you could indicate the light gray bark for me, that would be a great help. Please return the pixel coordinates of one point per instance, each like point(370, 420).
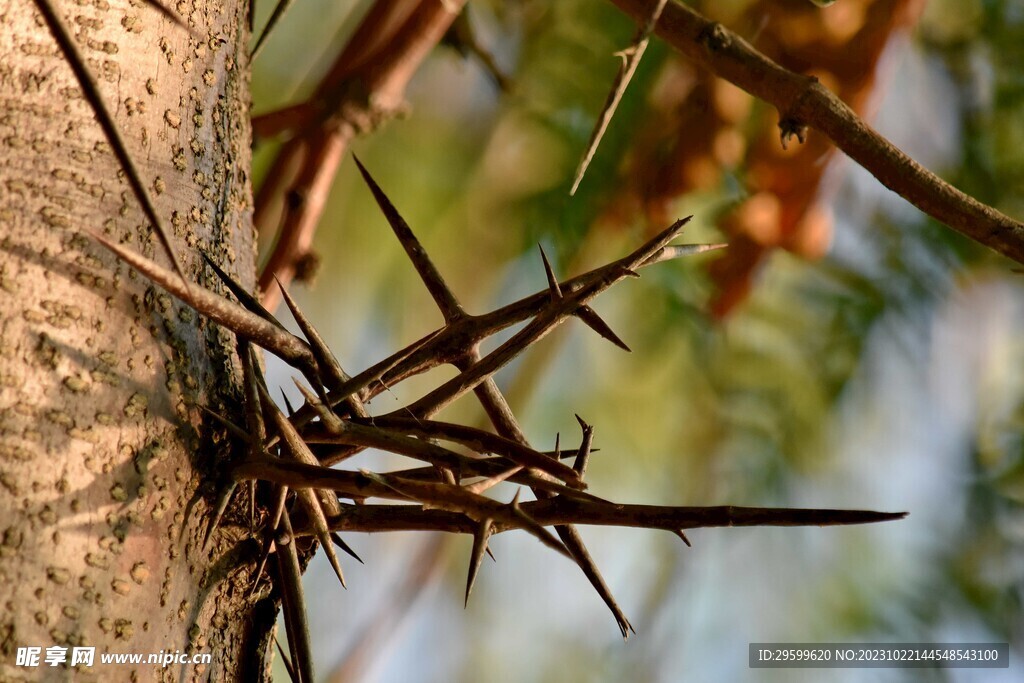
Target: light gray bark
point(102, 446)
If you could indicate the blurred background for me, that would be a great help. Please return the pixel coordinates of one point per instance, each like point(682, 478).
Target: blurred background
point(846, 351)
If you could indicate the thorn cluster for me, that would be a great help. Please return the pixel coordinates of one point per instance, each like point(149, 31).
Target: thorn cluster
point(294, 455)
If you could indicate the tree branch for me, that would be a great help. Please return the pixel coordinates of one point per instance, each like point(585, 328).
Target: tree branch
point(803, 102)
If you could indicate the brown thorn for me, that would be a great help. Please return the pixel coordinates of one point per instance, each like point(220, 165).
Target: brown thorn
point(287, 403)
point(450, 307)
point(327, 363)
point(234, 317)
point(286, 660)
point(680, 534)
point(556, 290)
point(572, 540)
point(309, 499)
point(293, 603)
point(330, 421)
point(592, 320)
point(244, 297)
point(91, 90)
point(168, 13)
point(222, 504)
point(340, 542)
point(674, 251)
point(476, 555)
point(279, 11)
point(485, 484)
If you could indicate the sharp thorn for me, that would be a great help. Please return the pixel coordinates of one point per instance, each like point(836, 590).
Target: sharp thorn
point(329, 372)
point(592, 320)
point(553, 286)
point(286, 660)
point(332, 557)
point(279, 11)
point(222, 504)
point(674, 251)
point(268, 545)
point(680, 534)
point(484, 484)
point(583, 454)
point(450, 307)
point(332, 422)
point(234, 317)
point(170, 14)
point(294, 603)
point(574, 542)
point(91, 91)
point(483, 531)
point(287, 404)
point(338, 541)
point(244, 297)
point(234, 429)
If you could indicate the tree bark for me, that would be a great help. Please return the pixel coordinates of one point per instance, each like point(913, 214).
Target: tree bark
point(105, 464)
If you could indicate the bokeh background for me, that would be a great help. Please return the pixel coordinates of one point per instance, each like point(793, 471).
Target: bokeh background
point(846, 351)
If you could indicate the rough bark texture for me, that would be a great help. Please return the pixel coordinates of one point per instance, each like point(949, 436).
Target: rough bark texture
point(102, 448)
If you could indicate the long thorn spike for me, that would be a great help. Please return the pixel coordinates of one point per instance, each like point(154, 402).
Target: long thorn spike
point(294, 604)
point(330, 421)
point(574, 542)
point(222, 504)
point(674, 251)
point(553, 286)
point(279, 11)
point(340, 542)
point(332, 557)
point(286, 660)
point(450, 307)
point(173, 16)
point(329, 371)
point(234, 317)
point(244, 297)
point(592, 320)
point(483, 532)
point(91, 90)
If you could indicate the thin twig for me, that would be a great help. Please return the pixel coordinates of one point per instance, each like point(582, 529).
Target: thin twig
point(631, 57)
point(364, 87)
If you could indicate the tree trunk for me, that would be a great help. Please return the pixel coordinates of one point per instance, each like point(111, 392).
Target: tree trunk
point(105, 463)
